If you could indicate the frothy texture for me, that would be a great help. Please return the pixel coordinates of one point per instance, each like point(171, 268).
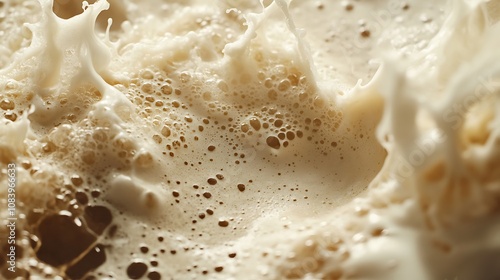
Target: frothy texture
point(272, 140)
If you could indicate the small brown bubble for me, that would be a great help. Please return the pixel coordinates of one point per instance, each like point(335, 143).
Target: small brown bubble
point(98, 218)
point(365, 33)
point(349, 7)
point(281, 136)
point(219, 176)
point(95, 193)
point(26, 164)
point(147, 88)
point(212, 181)
point(48, 147)
point(241, 187)
point(317, 122)
point(377, 232)
point(278, 123)
point(273, 142)
point(300, 134)
point(211, 148)
point(232, 255)
point(272, 94)
point(218, 268)
point(207, 96)
point(223, 223)
point(210, 211)
point(222, 86)
point(165, 131)
point(144, 249)
point(175, 193)
point(81, 197)
point(255, 123)
point(284, 85)
point(201, 215)
point(244, 128)
point(7, 104)
point(166, 89)
point(207, 195)
point(136, 270)
point(154, 275)
point(290, 135)
point(11, 116)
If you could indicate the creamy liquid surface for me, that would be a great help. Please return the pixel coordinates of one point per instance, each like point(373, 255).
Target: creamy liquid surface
point(247, 140)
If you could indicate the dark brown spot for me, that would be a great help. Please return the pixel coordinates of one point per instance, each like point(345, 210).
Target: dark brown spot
point(82, 198)
point(365, 33)
point(212, 181)
point(273, 142)
point(136, 270)
point(255, 123)
point(76, 180)
point(207, 195)
point(7, 104)
point(62, 240)
point(241, 187)
point(144, 249)
point(223, 223)
point(154, 275)
point(98, 218)
point(95, 193)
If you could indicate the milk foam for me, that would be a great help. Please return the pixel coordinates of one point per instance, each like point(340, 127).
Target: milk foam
point(224, 141)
